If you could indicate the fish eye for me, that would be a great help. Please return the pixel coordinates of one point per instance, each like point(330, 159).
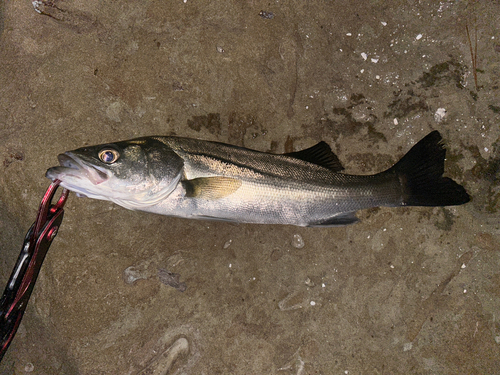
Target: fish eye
point(108, 155)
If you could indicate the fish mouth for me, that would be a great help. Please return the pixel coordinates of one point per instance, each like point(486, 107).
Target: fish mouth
point(72, 167)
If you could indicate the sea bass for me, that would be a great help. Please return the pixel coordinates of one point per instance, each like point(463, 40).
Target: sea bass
point(198, 179)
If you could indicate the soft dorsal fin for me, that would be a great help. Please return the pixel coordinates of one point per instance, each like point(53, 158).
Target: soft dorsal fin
point(320, 154)
point(211, 187)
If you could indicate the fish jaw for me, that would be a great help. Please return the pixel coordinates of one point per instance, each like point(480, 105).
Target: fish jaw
point(78, 176)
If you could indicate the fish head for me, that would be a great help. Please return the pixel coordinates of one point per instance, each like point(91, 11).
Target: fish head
point(134, 174)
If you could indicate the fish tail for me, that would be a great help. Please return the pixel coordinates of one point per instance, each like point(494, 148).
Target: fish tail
point(421, 174)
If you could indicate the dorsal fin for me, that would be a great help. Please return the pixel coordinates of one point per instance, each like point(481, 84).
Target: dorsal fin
point(320, 154)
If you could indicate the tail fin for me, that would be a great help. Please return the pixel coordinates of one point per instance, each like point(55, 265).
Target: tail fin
point(420, 172)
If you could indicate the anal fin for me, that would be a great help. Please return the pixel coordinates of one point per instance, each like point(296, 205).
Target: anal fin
point(337, 220)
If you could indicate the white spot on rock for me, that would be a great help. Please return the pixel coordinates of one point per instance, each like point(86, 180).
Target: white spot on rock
point(29, 367)
point(440, 114)
point(113, 111)
point(37, 4)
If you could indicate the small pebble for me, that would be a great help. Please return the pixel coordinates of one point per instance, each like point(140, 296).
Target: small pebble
point(309, 282)
point(440, 114)
point(171, 279)
point(227, 244)
point(29, 367)
point(132, 274)
point(266, 15)
point(298, 241)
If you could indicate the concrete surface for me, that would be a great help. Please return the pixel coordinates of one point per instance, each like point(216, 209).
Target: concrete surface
point(414, 290)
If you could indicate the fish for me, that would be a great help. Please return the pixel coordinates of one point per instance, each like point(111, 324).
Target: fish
point(198, 179)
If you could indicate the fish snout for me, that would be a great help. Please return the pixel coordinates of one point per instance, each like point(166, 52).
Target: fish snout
point(74, 166)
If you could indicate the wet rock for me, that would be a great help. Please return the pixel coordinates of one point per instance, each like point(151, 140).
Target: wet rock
point(276, 254)
point(487, 242)
point(211, 122)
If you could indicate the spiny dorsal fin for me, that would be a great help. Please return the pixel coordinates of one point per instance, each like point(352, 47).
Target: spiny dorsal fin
point(211, 187)
point(320, 154)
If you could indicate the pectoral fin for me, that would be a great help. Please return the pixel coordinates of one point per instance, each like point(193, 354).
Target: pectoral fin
point(211, 187)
